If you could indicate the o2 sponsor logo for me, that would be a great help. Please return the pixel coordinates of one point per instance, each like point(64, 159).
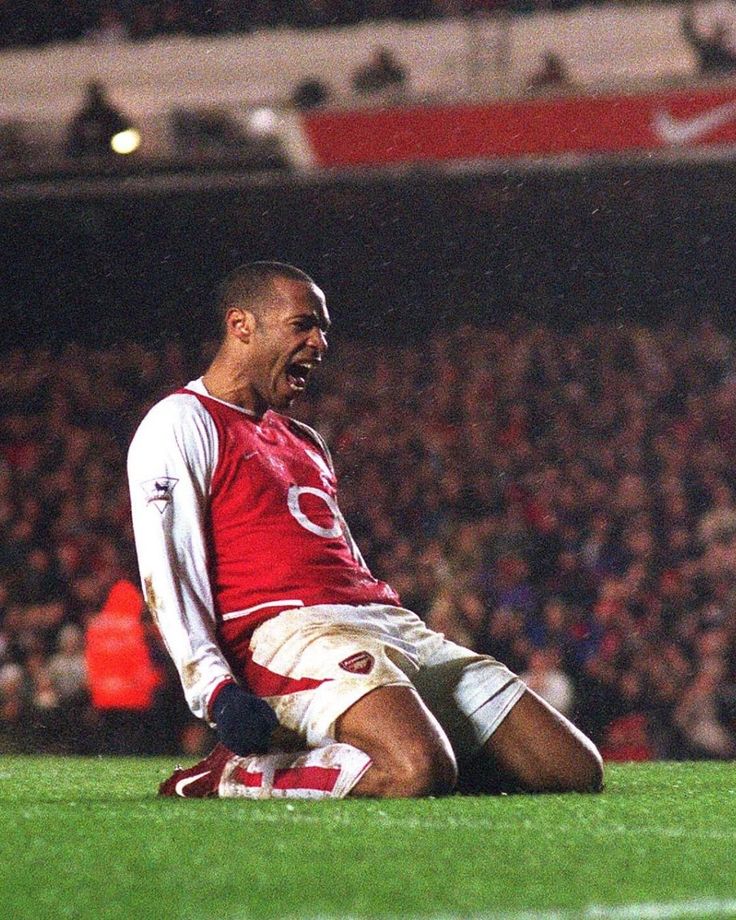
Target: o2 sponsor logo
point(293, 501)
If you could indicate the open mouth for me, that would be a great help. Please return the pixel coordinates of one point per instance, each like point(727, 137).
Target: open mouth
point(297, 374)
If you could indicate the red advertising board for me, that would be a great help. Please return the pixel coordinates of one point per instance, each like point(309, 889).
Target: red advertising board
point(609, 123)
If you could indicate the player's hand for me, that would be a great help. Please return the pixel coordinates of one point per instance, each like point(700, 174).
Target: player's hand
point(244, 722)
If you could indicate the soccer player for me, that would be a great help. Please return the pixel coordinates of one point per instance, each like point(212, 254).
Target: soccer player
point(316, 679)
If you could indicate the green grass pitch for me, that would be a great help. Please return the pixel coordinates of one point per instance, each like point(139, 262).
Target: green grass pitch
point(88, 839)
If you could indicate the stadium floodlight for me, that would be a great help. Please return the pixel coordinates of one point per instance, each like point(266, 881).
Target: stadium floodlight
point(263, 121)
point(126, 141)
point(220, 132)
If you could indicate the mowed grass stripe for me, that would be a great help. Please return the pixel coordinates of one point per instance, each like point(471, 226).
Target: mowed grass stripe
point(443, 823)
point(704, 907)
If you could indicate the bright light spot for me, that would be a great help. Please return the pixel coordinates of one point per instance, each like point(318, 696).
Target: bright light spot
point(263, 121)
point(127, 141)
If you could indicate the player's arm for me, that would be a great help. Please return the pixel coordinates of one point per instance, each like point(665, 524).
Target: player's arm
point(170, 464)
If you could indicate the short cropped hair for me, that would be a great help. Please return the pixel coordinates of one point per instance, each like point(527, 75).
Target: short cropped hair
point(248, 285)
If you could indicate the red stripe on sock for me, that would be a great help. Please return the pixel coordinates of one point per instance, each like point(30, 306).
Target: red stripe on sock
point(321, 778)
point(248, 777)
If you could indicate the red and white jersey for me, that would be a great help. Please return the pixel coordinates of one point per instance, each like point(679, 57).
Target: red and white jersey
point(235, 520)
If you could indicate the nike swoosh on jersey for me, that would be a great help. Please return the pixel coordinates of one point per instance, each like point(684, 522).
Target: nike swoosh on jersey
point(677, 131)
point(183, 783)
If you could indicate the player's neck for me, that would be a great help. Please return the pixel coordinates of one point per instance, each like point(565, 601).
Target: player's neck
point(220, 383)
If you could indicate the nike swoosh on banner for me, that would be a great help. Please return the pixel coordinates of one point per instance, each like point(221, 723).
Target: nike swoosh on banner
point(674, 131)
point(183, 783)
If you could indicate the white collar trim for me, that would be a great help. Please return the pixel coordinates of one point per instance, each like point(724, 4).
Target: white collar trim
point(197, 386)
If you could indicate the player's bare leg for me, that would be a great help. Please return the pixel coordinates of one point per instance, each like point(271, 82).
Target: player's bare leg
point(388, 745)
point(535, 749)
point(410, 753)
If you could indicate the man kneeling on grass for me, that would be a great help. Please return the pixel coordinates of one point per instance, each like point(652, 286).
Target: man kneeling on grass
point(316, 679)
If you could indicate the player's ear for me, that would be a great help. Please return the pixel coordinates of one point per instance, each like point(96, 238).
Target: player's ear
point(240, 323)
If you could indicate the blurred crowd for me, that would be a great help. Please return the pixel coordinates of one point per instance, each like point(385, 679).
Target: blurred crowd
point(563, 500)
point(38, 22)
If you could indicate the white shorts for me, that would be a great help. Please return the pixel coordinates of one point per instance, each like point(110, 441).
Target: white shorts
point(314, 663)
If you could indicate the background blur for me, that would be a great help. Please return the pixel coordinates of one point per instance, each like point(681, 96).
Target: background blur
point(523, 217)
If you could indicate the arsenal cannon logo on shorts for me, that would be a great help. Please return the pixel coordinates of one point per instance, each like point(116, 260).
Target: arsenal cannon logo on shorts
point(359, 663)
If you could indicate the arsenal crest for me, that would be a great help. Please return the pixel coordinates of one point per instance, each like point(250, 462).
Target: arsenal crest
point(359, 663)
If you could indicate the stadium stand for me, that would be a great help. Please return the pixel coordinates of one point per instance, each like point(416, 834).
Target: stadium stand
point(253, 78)
point(38, 23)
point(32, 23)
point(570, 499)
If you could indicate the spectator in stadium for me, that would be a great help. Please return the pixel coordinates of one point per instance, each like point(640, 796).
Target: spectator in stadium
point(110, 27)
point(67, 671)
point(15, 708)
point(626, 739)
point(459, 614)
point(383, 72)
point(326, 652)
point(552, 73)
point(311, 93)
point(697, 714)
point(714, 52)
point(96, 123)
point(122, 676)
point(545, 678)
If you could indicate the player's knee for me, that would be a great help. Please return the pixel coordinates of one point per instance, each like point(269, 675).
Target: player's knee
point(590, 777)
point(585, 774)
point(422, 771)
point(577, 769)
point(433, 771)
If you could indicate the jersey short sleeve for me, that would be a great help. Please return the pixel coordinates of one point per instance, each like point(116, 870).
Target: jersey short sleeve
point(170, 465)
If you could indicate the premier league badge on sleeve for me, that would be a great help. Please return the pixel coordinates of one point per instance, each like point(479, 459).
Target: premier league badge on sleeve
point(158, 491)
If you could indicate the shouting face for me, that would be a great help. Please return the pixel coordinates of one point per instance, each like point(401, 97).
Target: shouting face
point(286, 341)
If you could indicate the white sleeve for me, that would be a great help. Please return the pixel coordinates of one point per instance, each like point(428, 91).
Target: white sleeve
point(170, 464)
